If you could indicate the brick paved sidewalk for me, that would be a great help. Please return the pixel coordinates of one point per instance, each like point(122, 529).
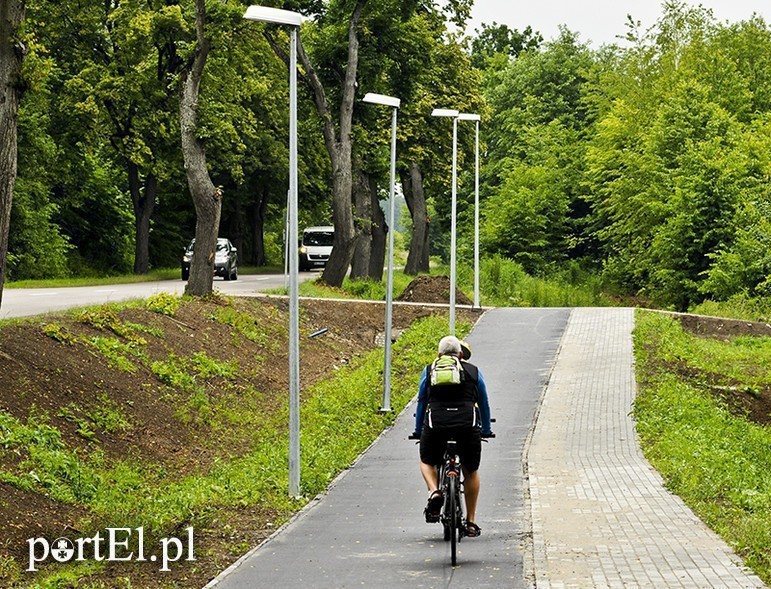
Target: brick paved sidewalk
point(600, 514)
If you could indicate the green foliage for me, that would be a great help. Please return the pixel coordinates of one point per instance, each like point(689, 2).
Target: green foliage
point(243, 323)
point(717, 462)
point(504, 282)
point(117, 352)
point(744, 266)
point(155, 275)
point(340, 420)
point(499, 40)
point(207, 367)
point(332, 439)
point(50, 467)
point(738, 306)
point(535, 166)
point(187, 376)
point(164, 303)
point(105, 318)
point(676, 163)
point(172, 373)
point(108, 415)
point(10, 570)
point(651, 161)
point(58, 332)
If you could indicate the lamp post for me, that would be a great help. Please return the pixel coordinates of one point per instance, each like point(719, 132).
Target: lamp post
point(476, 119)
point(294, 20)
point(394, 104)
point(444, 112)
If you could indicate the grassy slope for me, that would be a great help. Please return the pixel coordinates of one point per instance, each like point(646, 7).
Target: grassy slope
point(719, 463)
point(339, 417)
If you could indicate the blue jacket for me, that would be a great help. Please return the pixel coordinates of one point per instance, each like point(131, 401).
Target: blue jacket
point(482, 402)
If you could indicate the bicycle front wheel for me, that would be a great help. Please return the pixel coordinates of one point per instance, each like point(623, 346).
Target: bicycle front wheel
point(454, 523)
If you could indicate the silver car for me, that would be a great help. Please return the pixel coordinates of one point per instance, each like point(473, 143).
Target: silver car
point(225, 260)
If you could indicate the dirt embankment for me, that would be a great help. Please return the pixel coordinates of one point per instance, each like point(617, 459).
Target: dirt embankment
point(721, 328)
point(750, 402)
point(432, 289)
point(72, 371)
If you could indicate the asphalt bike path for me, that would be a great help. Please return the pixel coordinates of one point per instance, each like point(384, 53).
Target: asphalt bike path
point(369, 530)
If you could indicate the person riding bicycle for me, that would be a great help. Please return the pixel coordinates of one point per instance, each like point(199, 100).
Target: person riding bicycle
point(452, 404)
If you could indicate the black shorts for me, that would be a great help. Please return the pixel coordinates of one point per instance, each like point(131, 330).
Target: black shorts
point(433, 443)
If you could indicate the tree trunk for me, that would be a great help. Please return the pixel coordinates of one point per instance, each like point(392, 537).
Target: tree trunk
point(259, 209)
point(12, 53)
point(379, 231)
point(206, 198)
point(412, 184)
point(339, 147)
point(144, 204)
point(363, 248)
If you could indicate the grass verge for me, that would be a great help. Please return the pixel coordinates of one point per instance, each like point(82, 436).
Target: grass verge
point(737, 307)
point(717, 461)
point(339, 420)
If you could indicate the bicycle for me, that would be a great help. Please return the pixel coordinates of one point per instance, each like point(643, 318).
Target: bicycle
point(452, 512)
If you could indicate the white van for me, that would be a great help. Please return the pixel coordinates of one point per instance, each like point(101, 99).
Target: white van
point(315, 247)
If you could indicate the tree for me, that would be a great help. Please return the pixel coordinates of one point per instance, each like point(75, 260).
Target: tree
point(337, 138)
point(12, 52)
point(498, 39)
point(427, 68)
point(536, 209)
point(206, 197)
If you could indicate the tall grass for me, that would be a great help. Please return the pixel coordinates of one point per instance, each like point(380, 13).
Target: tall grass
point(737, 307)
point(719, 463)
point(504, 283)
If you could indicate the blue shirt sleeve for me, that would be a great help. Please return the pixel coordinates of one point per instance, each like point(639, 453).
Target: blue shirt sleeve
point(484, 404)
point(422, 401)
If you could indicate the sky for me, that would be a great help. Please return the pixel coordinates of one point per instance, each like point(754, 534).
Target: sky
point(598, 21)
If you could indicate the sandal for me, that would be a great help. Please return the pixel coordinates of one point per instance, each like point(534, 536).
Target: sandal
point(434, 507)
point(472, 530)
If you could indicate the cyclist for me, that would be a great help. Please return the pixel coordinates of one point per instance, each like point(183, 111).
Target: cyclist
point(452, 408)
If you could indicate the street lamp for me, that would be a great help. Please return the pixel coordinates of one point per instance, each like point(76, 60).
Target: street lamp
point(445, 112)
point(294, 20)
point(393, 103)
point(476, 119)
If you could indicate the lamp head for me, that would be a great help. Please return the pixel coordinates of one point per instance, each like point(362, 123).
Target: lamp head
point(382, 99)
point(273, 15)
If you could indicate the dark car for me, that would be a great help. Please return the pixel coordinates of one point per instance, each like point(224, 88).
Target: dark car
point(225, 260)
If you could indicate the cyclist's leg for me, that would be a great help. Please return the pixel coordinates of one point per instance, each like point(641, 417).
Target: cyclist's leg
point(471, 491)
point(431, 453)
point(430, 475)
point(470, 459)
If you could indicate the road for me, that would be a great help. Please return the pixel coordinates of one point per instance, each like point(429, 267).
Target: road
point(23, 302)
point(368, 531)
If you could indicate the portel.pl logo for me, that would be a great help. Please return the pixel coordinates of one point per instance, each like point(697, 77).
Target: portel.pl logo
point(113, 546)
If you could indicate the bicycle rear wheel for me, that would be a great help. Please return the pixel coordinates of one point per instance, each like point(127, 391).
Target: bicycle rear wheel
point(453, 519)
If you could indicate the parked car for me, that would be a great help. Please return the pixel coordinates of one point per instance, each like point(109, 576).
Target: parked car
point(315, 247)
point(225, 260)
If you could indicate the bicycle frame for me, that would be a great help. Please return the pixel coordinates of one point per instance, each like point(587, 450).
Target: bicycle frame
point(451, 484)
